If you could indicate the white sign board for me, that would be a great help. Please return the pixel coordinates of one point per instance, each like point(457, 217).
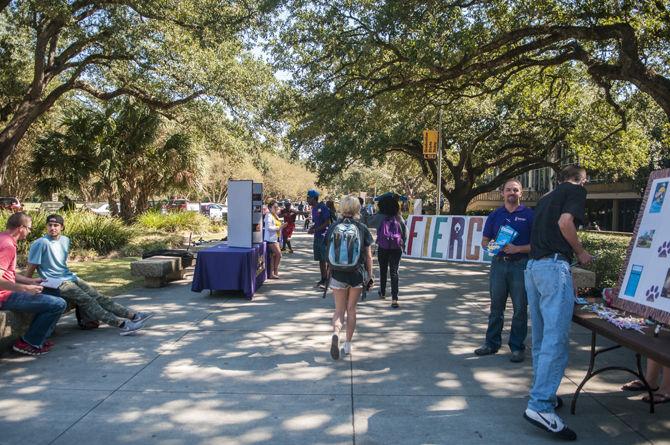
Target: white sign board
point(239, 213)
point(446, 237)
point(645, 287)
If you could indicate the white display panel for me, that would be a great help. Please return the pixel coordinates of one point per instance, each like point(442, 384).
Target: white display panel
point(645, 287)
point(239, 213)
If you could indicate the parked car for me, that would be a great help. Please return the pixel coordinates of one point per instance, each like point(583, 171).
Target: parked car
point(213, 210)
point(10, 203)
point(103, 210)
point(177, 205)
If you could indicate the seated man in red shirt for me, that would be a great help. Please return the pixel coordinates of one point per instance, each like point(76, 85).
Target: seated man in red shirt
point(289, 216)
point(23, 294)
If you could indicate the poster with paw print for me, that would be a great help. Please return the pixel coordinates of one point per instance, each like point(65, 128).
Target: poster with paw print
point(644, 285)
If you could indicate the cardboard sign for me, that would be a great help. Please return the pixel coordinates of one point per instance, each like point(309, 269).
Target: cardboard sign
point(446, 237)
point(644, 284)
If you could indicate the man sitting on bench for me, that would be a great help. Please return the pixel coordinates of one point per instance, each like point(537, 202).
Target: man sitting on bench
point(49, 256)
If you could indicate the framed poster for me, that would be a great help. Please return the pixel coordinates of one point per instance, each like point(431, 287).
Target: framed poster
point(644, 282)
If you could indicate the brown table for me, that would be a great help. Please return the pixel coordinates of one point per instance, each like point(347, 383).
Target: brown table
point(655, 348)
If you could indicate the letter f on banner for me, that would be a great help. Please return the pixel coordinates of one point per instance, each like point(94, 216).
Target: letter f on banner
point(412, 234)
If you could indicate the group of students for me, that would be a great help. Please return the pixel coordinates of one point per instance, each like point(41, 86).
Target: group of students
point(47, 296)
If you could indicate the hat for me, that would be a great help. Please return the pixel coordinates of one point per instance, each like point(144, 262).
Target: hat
point(55, 219)
point(312, 193)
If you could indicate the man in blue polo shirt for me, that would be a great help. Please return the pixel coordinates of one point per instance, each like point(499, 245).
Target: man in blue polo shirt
point(507, 272)
point(320, 223)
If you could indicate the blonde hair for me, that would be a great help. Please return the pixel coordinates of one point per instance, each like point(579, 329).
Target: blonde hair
point(350, 206)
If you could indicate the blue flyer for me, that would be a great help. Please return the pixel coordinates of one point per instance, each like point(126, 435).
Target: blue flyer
point(506, 235)
point(659, 197)
point(633, 280)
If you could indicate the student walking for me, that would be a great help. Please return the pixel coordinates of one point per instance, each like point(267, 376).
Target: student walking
point(346, 239)
point(391, 237)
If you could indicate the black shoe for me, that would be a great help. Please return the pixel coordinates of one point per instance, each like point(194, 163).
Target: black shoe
point(335, 347)
point(517, 356)
point(381, 296)
point(394, 304)
point(485, 350)
point(550, 422)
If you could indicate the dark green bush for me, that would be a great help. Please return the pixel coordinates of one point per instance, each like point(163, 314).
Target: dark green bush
point(611, 253)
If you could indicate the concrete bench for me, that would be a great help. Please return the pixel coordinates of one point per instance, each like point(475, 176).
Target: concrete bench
point(583, 278)
point(158, 270)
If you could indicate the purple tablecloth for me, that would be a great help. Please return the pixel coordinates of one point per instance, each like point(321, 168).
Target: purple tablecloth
point(230, 268)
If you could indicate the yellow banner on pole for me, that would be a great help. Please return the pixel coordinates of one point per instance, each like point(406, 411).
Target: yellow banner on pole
point(430, 138)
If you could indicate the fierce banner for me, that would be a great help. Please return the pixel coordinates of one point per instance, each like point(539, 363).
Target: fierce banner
point(446, 237)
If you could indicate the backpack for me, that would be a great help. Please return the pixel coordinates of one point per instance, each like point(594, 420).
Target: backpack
point(344, 246)
point(84, 321)
point(389, 235)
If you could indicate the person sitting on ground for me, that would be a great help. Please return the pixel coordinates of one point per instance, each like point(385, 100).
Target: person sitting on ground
point(348, 286)
point(661, 393)
point(289, 215)
point(24, 294)
point(48, 255)
point(273, 228)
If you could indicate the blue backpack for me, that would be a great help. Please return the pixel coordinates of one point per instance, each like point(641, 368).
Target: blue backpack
point(344, 246)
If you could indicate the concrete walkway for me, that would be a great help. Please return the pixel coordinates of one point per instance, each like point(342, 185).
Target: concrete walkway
point(217, 369)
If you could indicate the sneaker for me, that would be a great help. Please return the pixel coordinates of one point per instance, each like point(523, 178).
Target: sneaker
point(381, 296)
point(550, 422)
point(394, 304)
point(335, 347)
point(485, 350)
point(346, 349)
point(26, 348)
point(47, 345)
point(142, 316)
point(517, 356)
point(131, 327)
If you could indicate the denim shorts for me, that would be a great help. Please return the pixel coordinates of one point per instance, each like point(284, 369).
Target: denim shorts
point(334, 284)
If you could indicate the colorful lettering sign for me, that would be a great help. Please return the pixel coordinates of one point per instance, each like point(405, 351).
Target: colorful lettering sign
point(446, 238)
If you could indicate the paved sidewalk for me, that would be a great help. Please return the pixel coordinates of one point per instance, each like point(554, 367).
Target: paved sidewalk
point(218, 369)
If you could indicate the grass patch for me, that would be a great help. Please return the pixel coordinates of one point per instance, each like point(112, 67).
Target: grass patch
point(109, 276)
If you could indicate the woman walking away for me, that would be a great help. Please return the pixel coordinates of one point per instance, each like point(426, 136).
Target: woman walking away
point(350, 260)
point(272, 228)
point(391, 237)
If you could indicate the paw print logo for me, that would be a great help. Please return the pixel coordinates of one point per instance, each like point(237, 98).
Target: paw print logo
point(652, 293)
point(664, 249)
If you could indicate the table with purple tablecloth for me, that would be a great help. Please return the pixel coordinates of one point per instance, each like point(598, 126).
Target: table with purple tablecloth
point(230, 268)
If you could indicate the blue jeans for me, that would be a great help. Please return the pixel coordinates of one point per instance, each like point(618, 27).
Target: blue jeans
point(507, 278)
point(551, 300)
point(47, 310)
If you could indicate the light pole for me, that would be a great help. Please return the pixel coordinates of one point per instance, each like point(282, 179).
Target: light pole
point(438, 203)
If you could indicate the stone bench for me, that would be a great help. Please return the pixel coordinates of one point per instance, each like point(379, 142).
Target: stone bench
point(583, 278)
point(15, 324)
point(158, 270)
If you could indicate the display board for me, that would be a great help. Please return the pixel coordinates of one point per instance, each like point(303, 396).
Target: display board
point(239, 213)
point(257, 213)
point(644, 284)
point(446, 237)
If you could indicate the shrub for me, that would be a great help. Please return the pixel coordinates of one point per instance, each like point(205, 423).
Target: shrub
point(610, 251)
point(86, 230)
point(174, 221)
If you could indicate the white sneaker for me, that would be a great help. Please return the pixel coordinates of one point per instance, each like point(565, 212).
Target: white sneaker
point(550, 422)
point(346, 349)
